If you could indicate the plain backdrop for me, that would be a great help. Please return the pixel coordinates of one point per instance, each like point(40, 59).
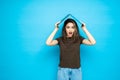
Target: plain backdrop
point(26, 24)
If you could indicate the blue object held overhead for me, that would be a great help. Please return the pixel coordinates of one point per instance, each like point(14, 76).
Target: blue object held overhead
point(65, 18)
point(72, 17)
point(76, 19)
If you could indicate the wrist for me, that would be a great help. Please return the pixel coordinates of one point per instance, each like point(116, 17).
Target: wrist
point(84, 28)
point(56, 29)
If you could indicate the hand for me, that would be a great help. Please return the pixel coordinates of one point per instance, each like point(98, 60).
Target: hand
point(83, 25)
point(56, 24)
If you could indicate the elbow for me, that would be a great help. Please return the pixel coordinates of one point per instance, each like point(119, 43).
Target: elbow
point(93, 43)
point(47, 43)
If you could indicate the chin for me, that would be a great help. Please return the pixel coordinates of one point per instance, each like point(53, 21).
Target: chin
point(70, 35)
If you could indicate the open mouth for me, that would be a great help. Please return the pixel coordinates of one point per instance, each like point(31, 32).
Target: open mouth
point(70, 32)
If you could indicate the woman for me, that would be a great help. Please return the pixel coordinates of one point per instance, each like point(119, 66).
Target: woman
point(69, 42)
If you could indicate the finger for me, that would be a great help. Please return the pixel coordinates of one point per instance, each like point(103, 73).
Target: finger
point(58, 22)
point(83, 25)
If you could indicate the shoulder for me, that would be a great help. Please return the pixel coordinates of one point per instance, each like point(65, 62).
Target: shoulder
point(81, 38)
point(59, 38)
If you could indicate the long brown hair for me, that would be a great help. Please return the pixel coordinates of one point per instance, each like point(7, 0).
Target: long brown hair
point(76, 33)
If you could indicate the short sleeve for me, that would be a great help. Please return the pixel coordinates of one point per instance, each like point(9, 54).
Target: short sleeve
point(58, 39)
point(81, 39)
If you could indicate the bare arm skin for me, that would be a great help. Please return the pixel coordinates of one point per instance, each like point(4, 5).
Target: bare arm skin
point(50, 41)
point(90, 40)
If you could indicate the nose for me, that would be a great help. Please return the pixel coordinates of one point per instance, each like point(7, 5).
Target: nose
point(71, 29)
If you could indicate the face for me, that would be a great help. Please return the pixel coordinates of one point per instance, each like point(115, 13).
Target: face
point(70, 29)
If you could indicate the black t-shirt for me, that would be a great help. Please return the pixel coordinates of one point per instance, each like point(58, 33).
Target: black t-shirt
point(69, 52)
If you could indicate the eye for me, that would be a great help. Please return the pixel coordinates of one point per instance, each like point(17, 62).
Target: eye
point(73, 27)
point(67, 27)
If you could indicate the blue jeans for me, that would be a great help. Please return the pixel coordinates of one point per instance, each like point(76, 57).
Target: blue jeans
point(69, 74)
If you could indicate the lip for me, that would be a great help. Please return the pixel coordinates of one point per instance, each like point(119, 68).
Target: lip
point(70, 32)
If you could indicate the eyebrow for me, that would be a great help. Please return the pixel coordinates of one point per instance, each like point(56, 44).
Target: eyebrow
point(70, 26)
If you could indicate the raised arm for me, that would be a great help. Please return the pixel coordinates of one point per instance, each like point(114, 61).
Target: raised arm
point(50, 41)
point(90, 40)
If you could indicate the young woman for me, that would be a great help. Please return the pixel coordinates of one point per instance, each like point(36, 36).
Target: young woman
point(69, 42)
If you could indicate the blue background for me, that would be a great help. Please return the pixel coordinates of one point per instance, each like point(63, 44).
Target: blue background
point(26, 24)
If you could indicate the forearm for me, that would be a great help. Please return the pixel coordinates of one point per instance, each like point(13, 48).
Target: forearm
point(50, 38)
point(90, 37)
